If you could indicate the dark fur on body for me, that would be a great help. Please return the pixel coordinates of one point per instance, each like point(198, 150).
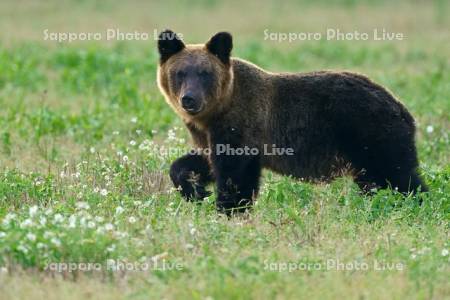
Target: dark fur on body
point(332, 120)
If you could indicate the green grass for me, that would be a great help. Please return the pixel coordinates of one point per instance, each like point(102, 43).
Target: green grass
point(84, 172)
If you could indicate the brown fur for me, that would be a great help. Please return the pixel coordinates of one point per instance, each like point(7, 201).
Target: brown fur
point(332, 120)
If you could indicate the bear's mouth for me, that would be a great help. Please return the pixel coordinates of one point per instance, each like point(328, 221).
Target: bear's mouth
point(191, 106)
point(193, 111)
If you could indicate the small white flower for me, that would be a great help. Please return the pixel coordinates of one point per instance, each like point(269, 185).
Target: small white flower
point(119, 210)
point(115, 132)
point(103, 192)
point(23, 249)
point(111, 248)
point(98, 219)
point(42, 221)
point(193, 231)
point(56, 242)
point(48, 234)
point(58, 218)
point(26, 223)
point(430, 129)
point(82, 205)
point(109, 226)
point(133, 143)
point(2, 234)
point(92, 150)
point(189, 246)
point(72, 221)
point(90, 224)
point(31, 236)
point(132, 219)
point(133, 120)
point(121, 234)
point(8, 218)
point(41, 245)
point(444, 252)
point(125, 158)
point(33, 210)
point(171, 134)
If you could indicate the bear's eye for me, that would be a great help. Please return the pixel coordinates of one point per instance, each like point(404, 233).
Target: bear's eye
point(181, 74)
point(204, 74)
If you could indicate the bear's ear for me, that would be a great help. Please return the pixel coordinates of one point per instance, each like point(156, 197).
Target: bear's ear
point(168, 45)
point(220, 45)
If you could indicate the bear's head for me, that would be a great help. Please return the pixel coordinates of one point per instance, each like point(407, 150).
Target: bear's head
point(196, 80)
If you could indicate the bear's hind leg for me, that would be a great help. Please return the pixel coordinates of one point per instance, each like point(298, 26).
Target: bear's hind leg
point(407, 182)
point(191, 173)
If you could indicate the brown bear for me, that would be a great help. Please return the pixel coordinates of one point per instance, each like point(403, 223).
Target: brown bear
point(237, 114)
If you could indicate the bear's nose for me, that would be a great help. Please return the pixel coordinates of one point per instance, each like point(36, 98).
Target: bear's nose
point(188, 102)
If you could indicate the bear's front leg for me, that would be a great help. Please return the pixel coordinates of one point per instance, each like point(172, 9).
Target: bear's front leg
point(191, 173)
point(236, 172)
point(237, 179)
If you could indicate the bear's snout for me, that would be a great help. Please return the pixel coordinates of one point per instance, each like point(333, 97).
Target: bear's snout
point(191, 104)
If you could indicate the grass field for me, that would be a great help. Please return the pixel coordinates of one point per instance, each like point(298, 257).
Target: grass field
point(84, 175)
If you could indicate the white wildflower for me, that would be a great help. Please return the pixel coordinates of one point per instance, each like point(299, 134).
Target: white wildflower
point(109, 226)
point(444, 252)
point(119, 210)
point(33, 210)
point(171, 134)
point(23, 249)
point(430, 129)
point(41, 246)
point(72, 221)
point(48, 234)
point(103, 192)
point(42, 220)
point(26, 223)
point(8, 218)
point(56, 242)
point(132, 219)
point(82, 205)
point(58, 218)
point(31, 236)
